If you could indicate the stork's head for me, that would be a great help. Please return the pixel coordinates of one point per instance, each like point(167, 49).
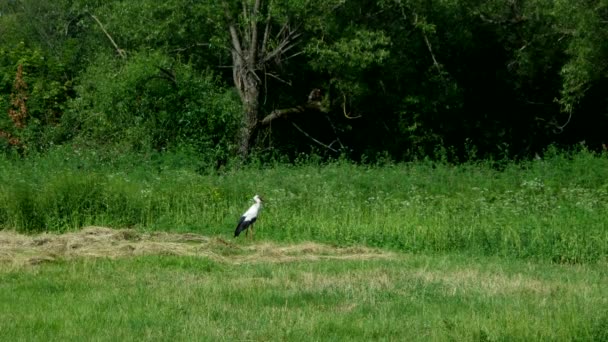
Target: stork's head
point(257, 199)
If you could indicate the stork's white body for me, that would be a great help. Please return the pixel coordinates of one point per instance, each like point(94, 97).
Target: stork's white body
point(249, 217)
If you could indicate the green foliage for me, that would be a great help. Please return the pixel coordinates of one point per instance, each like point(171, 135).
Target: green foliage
point(349, 55)
point(507, 78)
point(346, 60)
point(46, 92)
point(151, 101)
point(585, 26)
point(180, 29)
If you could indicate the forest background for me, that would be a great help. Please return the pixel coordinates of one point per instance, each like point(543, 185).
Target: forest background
point(366, 80)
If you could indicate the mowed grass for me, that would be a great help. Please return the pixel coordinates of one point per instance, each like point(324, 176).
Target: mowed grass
point(552, 209)
point(399, 297)
point(467, 252)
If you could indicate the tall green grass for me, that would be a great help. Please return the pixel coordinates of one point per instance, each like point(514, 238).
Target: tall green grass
point(552, 209)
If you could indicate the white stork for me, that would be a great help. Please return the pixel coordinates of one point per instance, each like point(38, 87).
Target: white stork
point(249, 217)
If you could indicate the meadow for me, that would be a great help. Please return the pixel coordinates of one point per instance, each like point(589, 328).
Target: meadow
point(405, 297)
point(425, 250)
point(552, 209)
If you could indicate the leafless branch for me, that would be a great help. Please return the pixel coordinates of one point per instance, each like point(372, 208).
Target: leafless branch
point(280, 113)
point(198, 45)
point(344, 109)
point(254, 32)
point(236, 43)
point(266, 34)
point(245, 11)
point(283, 29)
point(560, 129)
point(333, 127)
point(168, 75)
point(313, 139)
point(517, 19)
point(246, 29)
point(120, 51)
point(276, 77)
point(292, 56)
point(428, 45)
point(285, 45)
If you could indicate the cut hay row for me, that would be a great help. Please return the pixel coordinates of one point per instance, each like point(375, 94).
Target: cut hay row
point(103, 242)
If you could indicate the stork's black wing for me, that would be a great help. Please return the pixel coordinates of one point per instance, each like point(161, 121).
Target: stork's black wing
point(242, 225)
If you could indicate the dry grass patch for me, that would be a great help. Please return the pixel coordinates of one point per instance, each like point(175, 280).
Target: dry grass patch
point(470, 281)
point(102, 242)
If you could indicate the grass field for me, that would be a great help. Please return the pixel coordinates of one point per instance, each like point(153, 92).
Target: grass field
point(124, 285)
point(552, 209)
point(417, 251)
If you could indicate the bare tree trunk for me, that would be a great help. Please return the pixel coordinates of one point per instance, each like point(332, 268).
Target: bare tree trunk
point(250, 58)
point(244, 52)
point(250, 98)
point(248, 85)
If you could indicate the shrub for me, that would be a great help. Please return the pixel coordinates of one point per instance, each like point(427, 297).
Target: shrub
point(148, 102)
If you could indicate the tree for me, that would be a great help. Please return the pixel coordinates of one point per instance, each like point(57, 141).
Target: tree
point(499, 78)
point(254, 49)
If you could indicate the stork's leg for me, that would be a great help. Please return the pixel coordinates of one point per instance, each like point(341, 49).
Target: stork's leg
point(252, 233)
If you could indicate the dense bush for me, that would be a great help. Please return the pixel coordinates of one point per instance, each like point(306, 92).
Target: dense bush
point(151, 102)
point(33, 84)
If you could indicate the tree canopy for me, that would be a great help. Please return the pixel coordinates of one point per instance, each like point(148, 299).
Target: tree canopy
point(361, 78)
